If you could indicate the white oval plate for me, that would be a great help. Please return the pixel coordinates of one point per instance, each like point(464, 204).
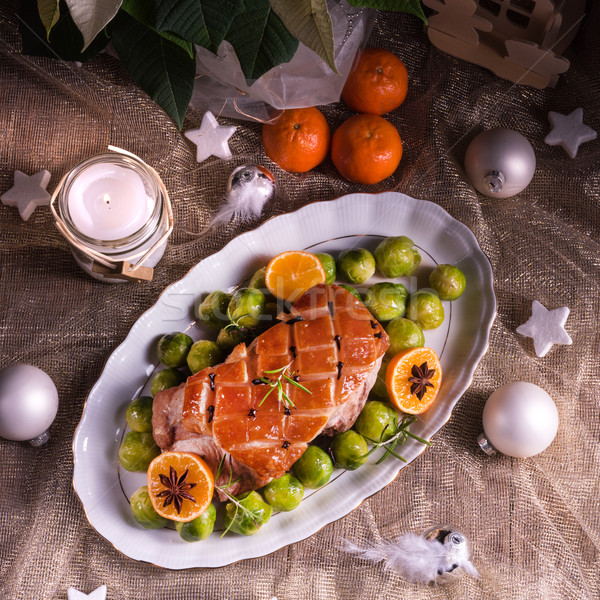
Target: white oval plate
point(351, 221)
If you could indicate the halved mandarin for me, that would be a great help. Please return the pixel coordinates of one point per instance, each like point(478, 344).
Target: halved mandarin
point(180, 485)
point(291, 273)
point(413, 379)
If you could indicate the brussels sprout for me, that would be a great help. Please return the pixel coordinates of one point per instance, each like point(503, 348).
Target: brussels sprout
point(314, 467)
point(448, 282)
point(377, 421)
point(199, 528)
point(143, 511)
point(248, 518)
point(167, 378)
point(380, 389)
point(386, 300)
point(356, 266)
point(173, 348)
point(352, 290)
point(228, 339)
point(349, 450)
point(397, 256)
point(139, 414)
point(246, 307)
point(213, 309)
point(328, 263)
point(204, 353)
point(403, 334)
point(137, 451)
point(425, 309)
point(257, 281)
point(285, 493)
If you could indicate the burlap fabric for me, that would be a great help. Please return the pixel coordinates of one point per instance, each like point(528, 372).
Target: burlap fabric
point(533, 523)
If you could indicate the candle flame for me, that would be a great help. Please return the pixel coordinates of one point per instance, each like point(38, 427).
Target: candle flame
point(106, 198)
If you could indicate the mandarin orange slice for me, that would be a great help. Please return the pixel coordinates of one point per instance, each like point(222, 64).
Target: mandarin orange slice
point(291, 273)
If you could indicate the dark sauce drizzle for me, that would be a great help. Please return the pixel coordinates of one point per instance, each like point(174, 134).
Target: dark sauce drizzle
point(211, 412)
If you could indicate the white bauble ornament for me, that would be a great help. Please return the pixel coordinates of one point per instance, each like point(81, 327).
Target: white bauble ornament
point(500, 163)
point(519, 419)
point(28, 404)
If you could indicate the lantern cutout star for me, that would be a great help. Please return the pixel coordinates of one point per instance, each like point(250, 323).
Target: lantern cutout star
point(28, 192)
point(211, 138)
point(546, 327)
point(98, 594)
point(569, 131)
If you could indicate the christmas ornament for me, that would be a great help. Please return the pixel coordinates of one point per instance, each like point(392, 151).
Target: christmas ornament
point(28, 192)
point(519, 419)
point(249, 187)
point(440, 555)
point(98, 594)
point(569, 131)
point(500, 163)
point(211, 138)
point(28, 404)
point(546, 327)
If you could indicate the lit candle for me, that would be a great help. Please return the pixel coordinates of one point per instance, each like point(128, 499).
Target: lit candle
point(109, 202)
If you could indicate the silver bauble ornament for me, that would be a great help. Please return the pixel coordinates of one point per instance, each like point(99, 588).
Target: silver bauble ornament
point(500, 163)
point(28, 404)
point(520, 419)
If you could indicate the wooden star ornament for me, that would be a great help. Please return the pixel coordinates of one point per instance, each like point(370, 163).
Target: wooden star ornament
point(98, 594)
point(211, 138)
point(28, 192)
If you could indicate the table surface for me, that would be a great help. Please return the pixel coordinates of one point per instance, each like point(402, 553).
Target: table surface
point(533, 523)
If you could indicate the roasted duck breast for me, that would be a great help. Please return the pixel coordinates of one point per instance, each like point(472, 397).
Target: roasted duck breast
point(249, 408)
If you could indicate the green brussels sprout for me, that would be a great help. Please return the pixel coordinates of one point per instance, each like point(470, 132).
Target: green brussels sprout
point(213, 309)
point(448, 282)
point(397, 256)
point(386, 300)
point(377, 421)
point(248, 518)
point(380, 389)
point(172, 349)
point(139, 414)
point(257, 281)
point(143, 511)
point(137, 451)
point(356, 265)
point(285, 493)
point(199, 528)
point(246, 307)
point(313, 468)
point(403, 334)
point(228, 339)
point(202, 354)
point(349, 450)
point(352, 290)
point(328, 263)
point(167, 378)
point(425, 309)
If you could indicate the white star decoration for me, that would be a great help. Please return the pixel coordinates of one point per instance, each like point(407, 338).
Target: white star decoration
point(546, 327)
point(97, 594)
point(28, 192)
point(211, 138)
point(569, 131)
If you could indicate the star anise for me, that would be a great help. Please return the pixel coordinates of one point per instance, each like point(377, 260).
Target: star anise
point(177, 489)
point(420, 379)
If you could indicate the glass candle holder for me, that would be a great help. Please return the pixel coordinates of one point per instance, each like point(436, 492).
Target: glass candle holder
point(115, 212)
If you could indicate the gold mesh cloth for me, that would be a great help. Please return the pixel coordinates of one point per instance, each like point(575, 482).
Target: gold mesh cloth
point(534, 523)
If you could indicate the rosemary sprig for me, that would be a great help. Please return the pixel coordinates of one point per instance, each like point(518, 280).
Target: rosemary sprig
point(276, 384)
point(401, 435)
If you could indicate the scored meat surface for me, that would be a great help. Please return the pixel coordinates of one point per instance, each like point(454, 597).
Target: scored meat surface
point(329, 344)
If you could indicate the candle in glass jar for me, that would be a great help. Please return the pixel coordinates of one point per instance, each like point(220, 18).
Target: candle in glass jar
point(109, 202)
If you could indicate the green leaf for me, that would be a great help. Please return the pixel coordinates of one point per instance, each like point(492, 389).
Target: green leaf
point(162, 68)
point(408, 6)
point(310, 22)
point(49, 12)
point(92, 16)
point(260, 39)
point(203, 22)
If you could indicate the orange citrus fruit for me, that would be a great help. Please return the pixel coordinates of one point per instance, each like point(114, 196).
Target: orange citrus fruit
point(413, 379)
point(298, 140)
point(291, 273)
point(366, 149)
point(377, 82)
point(180, 485)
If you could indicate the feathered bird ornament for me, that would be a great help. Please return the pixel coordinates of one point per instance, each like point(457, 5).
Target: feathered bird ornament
point(439, 556)
point(249, 187)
